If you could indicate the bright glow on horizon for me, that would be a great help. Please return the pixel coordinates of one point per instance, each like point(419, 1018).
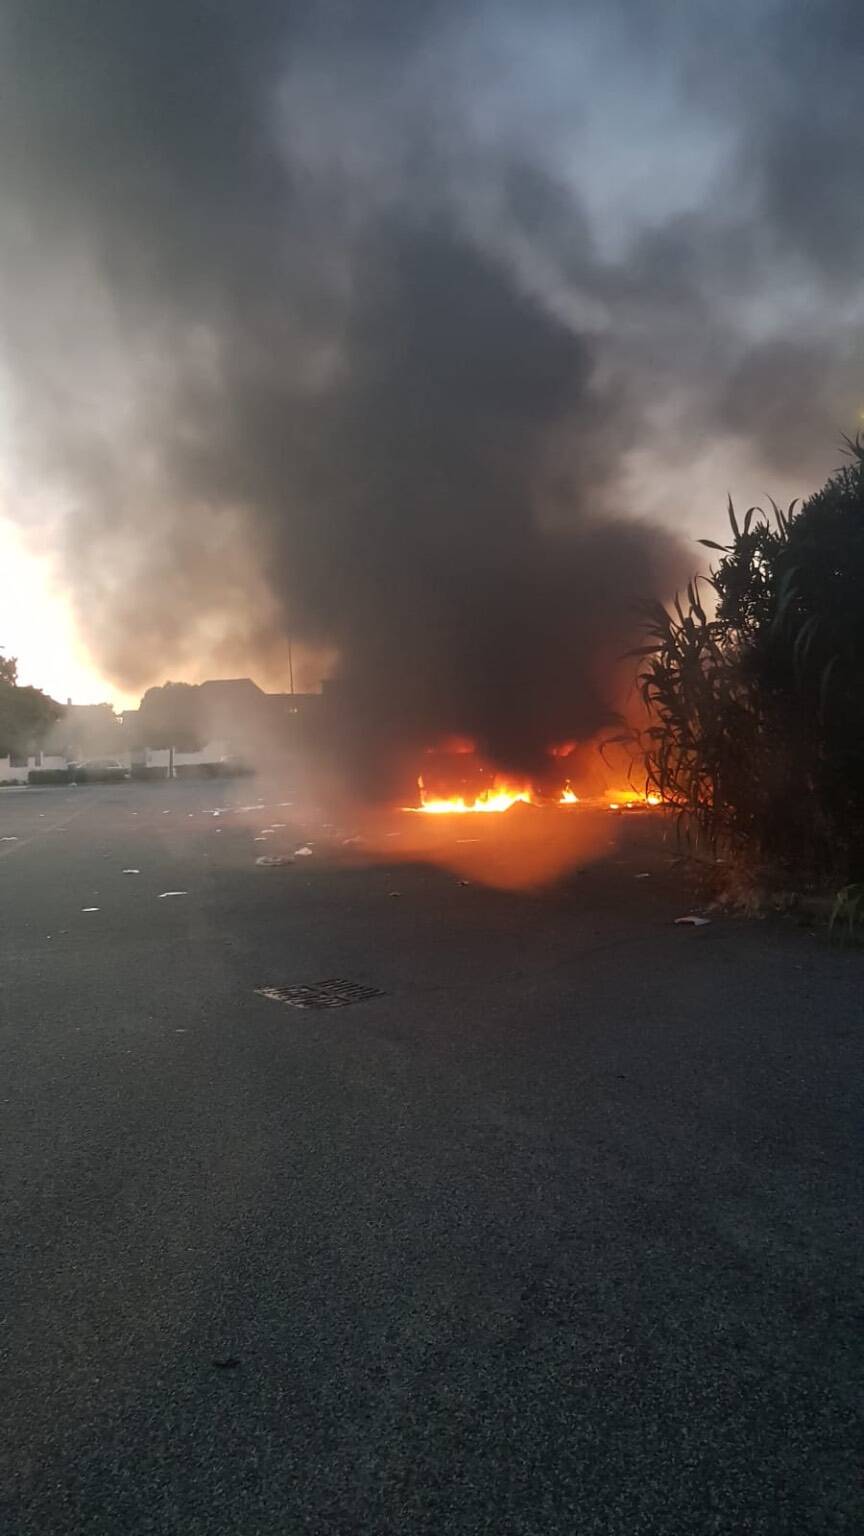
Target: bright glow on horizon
point(37, 626)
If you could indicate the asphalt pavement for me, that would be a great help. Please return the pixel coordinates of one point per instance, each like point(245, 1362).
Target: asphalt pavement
point(558, 1229)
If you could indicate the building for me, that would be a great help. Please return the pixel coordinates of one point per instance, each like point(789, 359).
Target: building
point(231, 719)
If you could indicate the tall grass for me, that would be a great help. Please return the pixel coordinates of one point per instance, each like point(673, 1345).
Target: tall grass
point(754, 683)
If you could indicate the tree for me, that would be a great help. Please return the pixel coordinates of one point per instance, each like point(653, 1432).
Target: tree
point(757, 731)
point(26, 714)
point(170, 716)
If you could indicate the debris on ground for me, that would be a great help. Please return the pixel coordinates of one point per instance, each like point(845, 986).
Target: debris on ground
point(394, 893)
point(273, 861)
point(131, 871)
point(89, 909)
point(163, 894)
point(303, 853)
point(692, 922)
point(645, 875)
point(348, 842)
point(8, 839)
point(464, 882)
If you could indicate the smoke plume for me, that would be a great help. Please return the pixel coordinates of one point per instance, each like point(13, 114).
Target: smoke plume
point(386, 326)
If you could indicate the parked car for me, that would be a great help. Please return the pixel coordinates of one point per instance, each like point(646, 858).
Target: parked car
point(98, 770)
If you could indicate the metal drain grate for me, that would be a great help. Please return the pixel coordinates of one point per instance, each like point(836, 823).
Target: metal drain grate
point(324, 994)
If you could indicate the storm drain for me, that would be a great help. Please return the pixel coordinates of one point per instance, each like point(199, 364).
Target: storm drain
point(324, 994)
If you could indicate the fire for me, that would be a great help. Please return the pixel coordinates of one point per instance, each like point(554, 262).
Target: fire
point(499, 798)
point(625, 799)
point(501, 795)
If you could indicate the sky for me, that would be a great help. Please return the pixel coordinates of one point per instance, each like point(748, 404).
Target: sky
point(37, 626)
point(402, 329)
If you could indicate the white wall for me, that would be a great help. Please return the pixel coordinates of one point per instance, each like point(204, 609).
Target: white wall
point(20, 773)
point(212, 752)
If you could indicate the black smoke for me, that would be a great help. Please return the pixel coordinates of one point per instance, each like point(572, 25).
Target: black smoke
point(359, 323)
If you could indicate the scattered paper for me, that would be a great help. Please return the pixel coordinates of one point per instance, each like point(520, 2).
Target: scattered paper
point(163, 894)
point(89, 909)
point(131, 871)
point(692, 922)
point(270, 861)
point(304, 852)
point(8, 839)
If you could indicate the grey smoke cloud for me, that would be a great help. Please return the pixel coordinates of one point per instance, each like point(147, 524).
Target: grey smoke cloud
point(354, 320)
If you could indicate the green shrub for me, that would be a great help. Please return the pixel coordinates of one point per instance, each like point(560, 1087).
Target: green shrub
point(755, 693)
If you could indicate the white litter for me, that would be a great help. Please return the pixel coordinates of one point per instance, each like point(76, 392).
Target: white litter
point(303, 853)
point(131, 871)
point(8, 839)
point(692, 922)
point(163, 894)
point(270, 861)
point(646, 875)
point(89, 909)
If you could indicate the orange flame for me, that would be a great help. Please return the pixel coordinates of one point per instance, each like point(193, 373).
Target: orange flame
point(624, 799)
point(503, 794)
point(499, 798)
